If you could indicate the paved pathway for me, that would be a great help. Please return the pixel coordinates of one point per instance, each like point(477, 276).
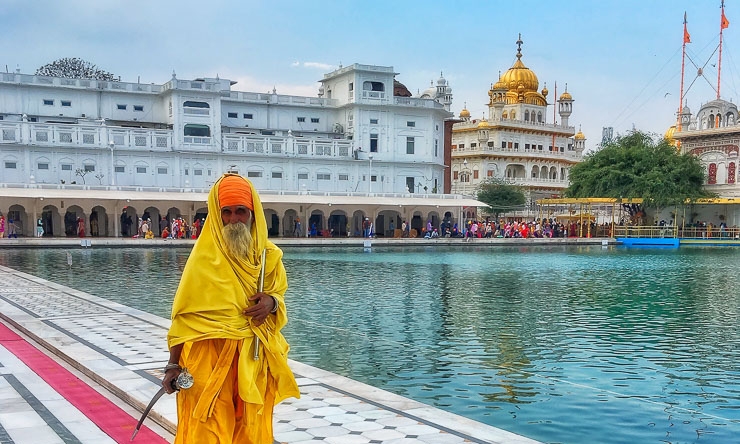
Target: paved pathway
point(75, 368)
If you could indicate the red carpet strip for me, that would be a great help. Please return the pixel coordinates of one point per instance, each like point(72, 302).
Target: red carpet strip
point(110, 418)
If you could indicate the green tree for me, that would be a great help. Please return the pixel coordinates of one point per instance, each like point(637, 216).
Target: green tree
point(639, 165)
point(500, 196)
point(74, 68)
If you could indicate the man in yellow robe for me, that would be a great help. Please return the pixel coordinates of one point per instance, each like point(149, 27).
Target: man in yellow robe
point(218, 314)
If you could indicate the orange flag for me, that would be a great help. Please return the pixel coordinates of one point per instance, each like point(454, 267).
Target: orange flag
point(724, 22)
point(686, 36)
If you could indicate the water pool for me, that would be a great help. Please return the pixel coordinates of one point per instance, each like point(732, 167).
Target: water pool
point(562, 344)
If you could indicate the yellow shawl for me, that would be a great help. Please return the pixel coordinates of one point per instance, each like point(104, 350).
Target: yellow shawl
point(213, 291)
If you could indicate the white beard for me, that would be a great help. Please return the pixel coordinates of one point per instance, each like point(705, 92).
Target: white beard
point(238, 238)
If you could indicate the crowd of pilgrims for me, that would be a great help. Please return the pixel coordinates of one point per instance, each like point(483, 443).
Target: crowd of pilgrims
point(538, 228)
point(178, 228)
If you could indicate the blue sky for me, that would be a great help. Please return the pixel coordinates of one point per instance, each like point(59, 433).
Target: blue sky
point(620, 59)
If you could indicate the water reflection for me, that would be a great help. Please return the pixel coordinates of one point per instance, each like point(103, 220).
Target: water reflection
point(558, 344)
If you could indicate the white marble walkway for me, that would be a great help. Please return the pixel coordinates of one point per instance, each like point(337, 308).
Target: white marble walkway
point(121, 349)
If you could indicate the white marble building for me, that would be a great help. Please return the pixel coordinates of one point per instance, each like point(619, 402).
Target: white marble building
point(356, 136)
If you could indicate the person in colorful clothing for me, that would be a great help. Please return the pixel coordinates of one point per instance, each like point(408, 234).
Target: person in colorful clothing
point(219, 314)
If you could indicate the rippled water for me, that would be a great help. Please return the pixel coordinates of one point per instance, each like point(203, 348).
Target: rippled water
point(563, 345)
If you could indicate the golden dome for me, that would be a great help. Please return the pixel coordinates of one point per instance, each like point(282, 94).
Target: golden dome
point(669, 135)
point(464, 113)
point(520, 82)
point(483, 124)
point(566, 96)
point(544, 91)
point(580, 136)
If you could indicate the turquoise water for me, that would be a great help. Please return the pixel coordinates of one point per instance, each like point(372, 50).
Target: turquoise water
point(563, 345)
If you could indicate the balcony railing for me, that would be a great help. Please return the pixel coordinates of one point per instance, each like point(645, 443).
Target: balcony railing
point(92, 136)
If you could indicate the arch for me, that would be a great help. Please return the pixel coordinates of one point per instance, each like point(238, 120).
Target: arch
point(505, 115)
point(337, 223)
point(535, 171)
point(17, 213)
point(128, 219)
point(273, 222)
point(51, 221)
point(356, 223)
point(71, 217)
point(539, 116)
point(526, 115)
point(315, 223)
point(543, 172)
point(731, 170)
point(553, 173)
point(289, 226)
point(711, 120)
point(712, 174)
point(99, 222)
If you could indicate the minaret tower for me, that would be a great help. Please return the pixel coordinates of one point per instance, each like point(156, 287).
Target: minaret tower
point(565, 106)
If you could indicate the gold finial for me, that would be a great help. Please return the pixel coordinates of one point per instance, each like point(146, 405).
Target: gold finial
point(519, 47)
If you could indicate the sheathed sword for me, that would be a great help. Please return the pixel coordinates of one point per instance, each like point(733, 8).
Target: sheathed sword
point(260, 287)
point(183, 381)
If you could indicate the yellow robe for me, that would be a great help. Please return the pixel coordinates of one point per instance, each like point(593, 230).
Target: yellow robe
point(233, 395)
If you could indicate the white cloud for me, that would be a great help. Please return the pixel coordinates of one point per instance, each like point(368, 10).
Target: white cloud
point(314, 65)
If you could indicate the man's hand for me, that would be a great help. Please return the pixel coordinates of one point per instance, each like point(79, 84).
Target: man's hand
point(261, 309)
point(169, 377)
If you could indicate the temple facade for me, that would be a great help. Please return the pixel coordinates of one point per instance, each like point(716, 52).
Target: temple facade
point(516, 143)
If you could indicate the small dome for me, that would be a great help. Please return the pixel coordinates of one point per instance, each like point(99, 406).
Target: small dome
point(483, 124)
point(464, 113)
point(566, 96)
point(669, 135)
point(545, 91)
point(441, 81)
point(580, 136)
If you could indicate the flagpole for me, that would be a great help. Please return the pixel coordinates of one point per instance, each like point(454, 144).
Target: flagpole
point(686, 39)
point(723, 23)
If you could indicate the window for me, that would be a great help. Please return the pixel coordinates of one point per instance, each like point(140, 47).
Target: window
point(233, 115)
point(186, 171)
point(43, 166)
point(254, 173)
point(503, 144)
point(248, 116)
point(516, 145)
point(10, 165)
point(461, 146)
point(373, 121)
point(373, 143)
point(197, 130)
point(301, 119)
point(197, 172)
point(277, 175)
point(314, 120)
point(89, 168)
point(323, 176)
point(66, 167)
point(120, 169)
point(1, 117)
point(66, 103)
point(122, 107)
point(139, 108)
point(161, 170)
point(526, 147)
point(351, 86)
point(193, 104)
point(373, 86)
point(436, 147)
point(410, 184)
point(409, 145)
point(511, 145)
point(475, 174)
point(344, 177)
point(411, 124)
point(48, 102)
point(302, 176)
point(373, 178)
point(473, 145)
point(539, 147)
point(140, 170)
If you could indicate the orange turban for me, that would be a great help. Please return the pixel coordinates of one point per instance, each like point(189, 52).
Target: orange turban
point(234, 190)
